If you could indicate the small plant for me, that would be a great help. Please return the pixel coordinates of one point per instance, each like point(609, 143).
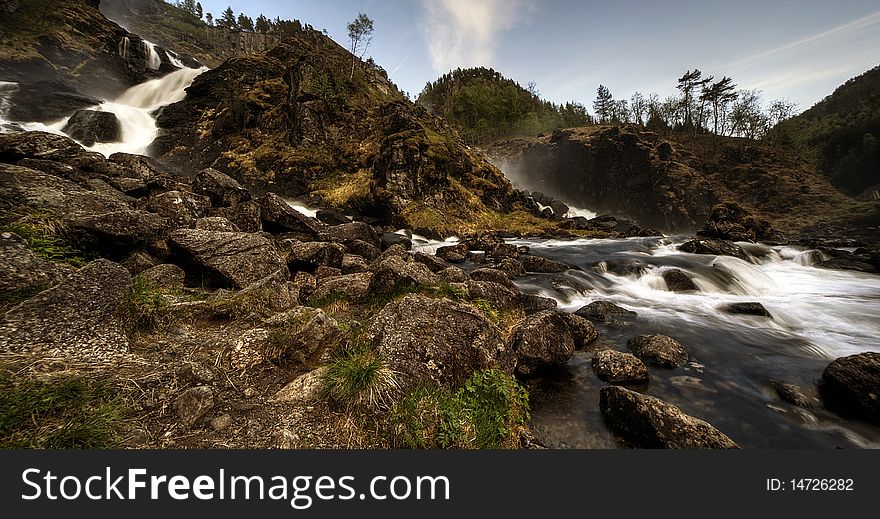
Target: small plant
point(358, 377)
point(487, 309)
point(145, 304)
point(41, 239)
point(486, 413)
point(65, 413)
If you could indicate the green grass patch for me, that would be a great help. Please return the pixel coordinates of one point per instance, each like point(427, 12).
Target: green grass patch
point(486, 413)
point(46, 245)
point(358, 378)
point(10, 299)
point(65, 413)
point(145, 305)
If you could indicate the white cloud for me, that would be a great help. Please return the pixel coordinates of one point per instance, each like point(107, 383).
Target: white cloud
point(464, 33)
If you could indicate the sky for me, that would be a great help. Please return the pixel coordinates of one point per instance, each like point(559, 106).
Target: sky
point(799, 50)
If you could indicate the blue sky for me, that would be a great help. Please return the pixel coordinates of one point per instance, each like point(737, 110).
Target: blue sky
point(799, 50)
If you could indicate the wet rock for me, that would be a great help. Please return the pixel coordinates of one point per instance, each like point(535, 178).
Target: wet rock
point(354, 231)
point(437, 342)
point(542, 265)
point(193, 404)
point(848, 263)
point(678, 281)
point(91, 126)
point(503, 251)
point(532, 304)
point(216, 223)
point(658, 350)
point(182, 209)
point(752, 308)
point(78, 318)
point(392, 238)
point(582, 330)
point(483, 241)
point(394, 273)
point(432, 262)
point(351, 287)
point(512, 268)
point(796, 395)
point(541, 340)
point(221, 189)
point(278, 217)
point(142, 168)
point(616, 367)
point(851, 386)
point(303, 389)
point(605, 311)
point(651, 423)
point(245, 216)
point(453, 253)
point(308, 256)
point(493, 275)
point(352, 264)
point(453, 275)
point(715, 248)
point(165, 276)
point(230, 259)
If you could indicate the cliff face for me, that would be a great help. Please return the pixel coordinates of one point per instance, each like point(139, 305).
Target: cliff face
point(297, 120)
point(673, 183)
point(66, 54)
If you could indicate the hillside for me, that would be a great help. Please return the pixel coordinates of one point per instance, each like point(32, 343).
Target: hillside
point(841, 133)
point(485, 106)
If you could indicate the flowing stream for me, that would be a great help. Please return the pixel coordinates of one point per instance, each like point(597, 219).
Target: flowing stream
point(818, 315)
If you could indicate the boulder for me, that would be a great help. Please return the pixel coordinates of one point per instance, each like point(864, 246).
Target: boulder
point(453, 253)
point(658, 350)
point(77, 318)
point(91, 126)
point(432, 262)
point(230, 259)
point(796, 395)
point(503, 251)
point(331, 217)
point(582, 330)
point(730, 221)
point(303, 389)
point(361, 248)
point(542, 265)
point(302, 336)
point(850, 386)
point(499, 296)
point(245, 216)
point(308, 256)
point(605, 311)
point(493, 275)
point(541, 340)
point(394, 273)
point(753, 308)
point(648, 422)
point(216, 223)
point(392, 238)
point(193, 404)
point(352, 231)
point(678, 281)
point(483, 241)
point(453, 275)
point(164, 276)
point(437, 342)
point(117, 231)
point(512, 268)
point(352, 263)
point(181, 208)
point(351, 287)
point(143, 168)
point(138, 261)
point(23, 273)
point(221, 189)
point(37, 145)
point(531, 304)
point(279, 217)
point(616, 367)
point(715, 248)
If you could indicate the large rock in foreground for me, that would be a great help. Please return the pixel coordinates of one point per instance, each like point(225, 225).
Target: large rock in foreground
point(616, 367)
point(658, 350)
point(91, 126)
point(541, 340)
point(851, 386)
point(437, 341)
point(78, 318)
point(226, 258)
point(651, 423)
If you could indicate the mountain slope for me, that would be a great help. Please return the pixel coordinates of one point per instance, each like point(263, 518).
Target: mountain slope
point(842, 133)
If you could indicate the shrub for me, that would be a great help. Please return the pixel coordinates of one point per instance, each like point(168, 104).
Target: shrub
point(358, 377)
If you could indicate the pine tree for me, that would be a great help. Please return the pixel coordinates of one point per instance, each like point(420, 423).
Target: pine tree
point(245, 23)
point(199, 10)
point(227, 20)
point(209, 18)
point(262, 24)
point(602, 104)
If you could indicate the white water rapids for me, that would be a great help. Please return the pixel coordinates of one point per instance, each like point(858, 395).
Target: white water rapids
point(134, 109)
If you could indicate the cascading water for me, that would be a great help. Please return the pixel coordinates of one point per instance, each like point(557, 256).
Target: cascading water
point(153, 59)
point(7, 88)
point(134, 109)
point(174, 58)
point(818, 315)
point(123, 47)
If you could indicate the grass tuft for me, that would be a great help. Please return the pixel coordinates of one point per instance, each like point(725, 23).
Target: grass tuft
point(358, 378)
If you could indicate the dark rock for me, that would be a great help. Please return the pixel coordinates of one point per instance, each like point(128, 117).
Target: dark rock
point(37, 145)
point(851, 386)
point(331, 217)
point(453, 275)
point(361, 248)
point(746, 309)
point(164, 276)
point(797, 395)
point(216, 223)
point(78, 318)
point(138, 261)
point(512, 268)
point(143, 168)
point(848, 263)
point(605, 311)
point(278, 216)
point(678, 281)
point(432, 262)
point(354, 231)
point(483, 241)
point(542, 265)
point(730, 221)
point(499, 296)
point(308, 256)
point(91, 126)
point(117, 231)
point(395, 273)
point(715, 248)
point(305, 284)
point(22, 272)
point(541, 340)
point(394, 250)
point(503, 251)
point(658, 350)
point(230, 259)
point(651, 423)
point(245, 216)
point(392, 238)
point(352, 264)
point(351, 287)
point(493, 275)
point(324, 271)
point(193, 404)
point(453, 253)
point(221, 189)
point(181, 208)
point(616, 367)
point(532, 304)
point(582, 330)
point(437, 342)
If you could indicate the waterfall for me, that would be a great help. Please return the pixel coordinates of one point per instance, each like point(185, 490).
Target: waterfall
point(174, 58)
point(7, 88)
point(123, 47)
point(153, 59)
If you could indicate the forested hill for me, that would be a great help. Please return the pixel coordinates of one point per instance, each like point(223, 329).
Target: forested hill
point(842, 132)
point(486, 106)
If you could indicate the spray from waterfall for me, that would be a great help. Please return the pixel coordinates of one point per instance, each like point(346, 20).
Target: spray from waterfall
point(7, 88)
